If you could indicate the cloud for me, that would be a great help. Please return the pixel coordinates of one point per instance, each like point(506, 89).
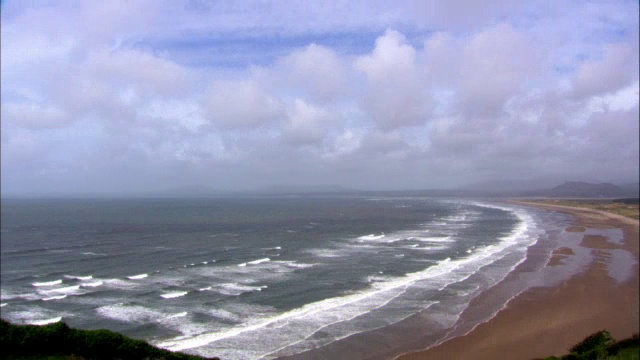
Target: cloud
point(34, 115)
point(317, 72)
point(394, 95)
point(617, 68)
point(418, 95)
point(237, 104)
point(306, 123)
point(496, 64)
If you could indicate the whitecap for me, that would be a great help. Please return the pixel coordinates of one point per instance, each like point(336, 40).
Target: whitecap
point(138, 277)
point(89, 277)
point(46, 321)
point(47, 283)
point(294, 264)
point(235, 289)
point(67, 289)
point(182, 314)
point(259, 261)
point(254, 262)
point(371, 237)
point(59, 297)
point(445, 239)
point(92, 284)
point(174, 294)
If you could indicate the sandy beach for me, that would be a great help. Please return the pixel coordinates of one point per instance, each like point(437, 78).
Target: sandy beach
point(546, 321)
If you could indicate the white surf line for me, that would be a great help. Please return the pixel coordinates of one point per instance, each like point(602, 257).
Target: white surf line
point(313, 308)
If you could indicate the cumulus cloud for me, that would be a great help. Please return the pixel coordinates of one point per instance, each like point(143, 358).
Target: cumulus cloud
point(241, 104)
point(496, 64)
point(616, 68)
point(306, 123)
point(394, 94)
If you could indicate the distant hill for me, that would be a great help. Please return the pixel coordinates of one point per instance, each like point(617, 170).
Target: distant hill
point(305, 189)
point(633, 189)
point(501, 186)
point(578, 189)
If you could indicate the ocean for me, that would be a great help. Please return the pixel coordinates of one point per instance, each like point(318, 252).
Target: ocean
point(260, 277)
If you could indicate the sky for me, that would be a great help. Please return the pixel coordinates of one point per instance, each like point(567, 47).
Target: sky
point(145, 95)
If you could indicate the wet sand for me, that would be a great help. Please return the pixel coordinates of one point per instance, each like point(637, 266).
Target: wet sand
point(546, 321)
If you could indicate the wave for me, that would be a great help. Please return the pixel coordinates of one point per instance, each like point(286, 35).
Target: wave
point(59, 297)
point(323, 309)
point(92, 284)
point(436, 239)
point(67, 289)
point(178, 315)
point(47, 283)
point(22, 296)
point(89, 277)
point(3, 304)
point(326, 253)
point(137, 277)
point(294, 264)
point(371, 237)
point(119, 283)
point(324, 314)
point(130, 313)
point(255, 262)
point(45, 321)
point(235, 289)
point(172, 295)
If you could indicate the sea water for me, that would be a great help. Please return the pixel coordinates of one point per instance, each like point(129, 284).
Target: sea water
point(254, 277)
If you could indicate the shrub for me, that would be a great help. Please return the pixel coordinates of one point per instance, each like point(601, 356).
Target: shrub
point(600, 340)
point(40, 342)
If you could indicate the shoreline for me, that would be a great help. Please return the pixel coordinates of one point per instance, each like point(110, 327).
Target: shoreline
point(544, 321)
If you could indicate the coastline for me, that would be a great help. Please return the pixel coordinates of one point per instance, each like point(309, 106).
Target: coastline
point(546, 321)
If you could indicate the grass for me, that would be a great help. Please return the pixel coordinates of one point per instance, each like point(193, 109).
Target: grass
point(622, 207)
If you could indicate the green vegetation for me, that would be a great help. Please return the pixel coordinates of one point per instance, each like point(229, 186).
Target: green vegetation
point(624, 207)
point(602, 346)
point(59, 341)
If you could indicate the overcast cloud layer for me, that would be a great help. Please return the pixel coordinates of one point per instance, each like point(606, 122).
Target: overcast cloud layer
point(151, 95)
